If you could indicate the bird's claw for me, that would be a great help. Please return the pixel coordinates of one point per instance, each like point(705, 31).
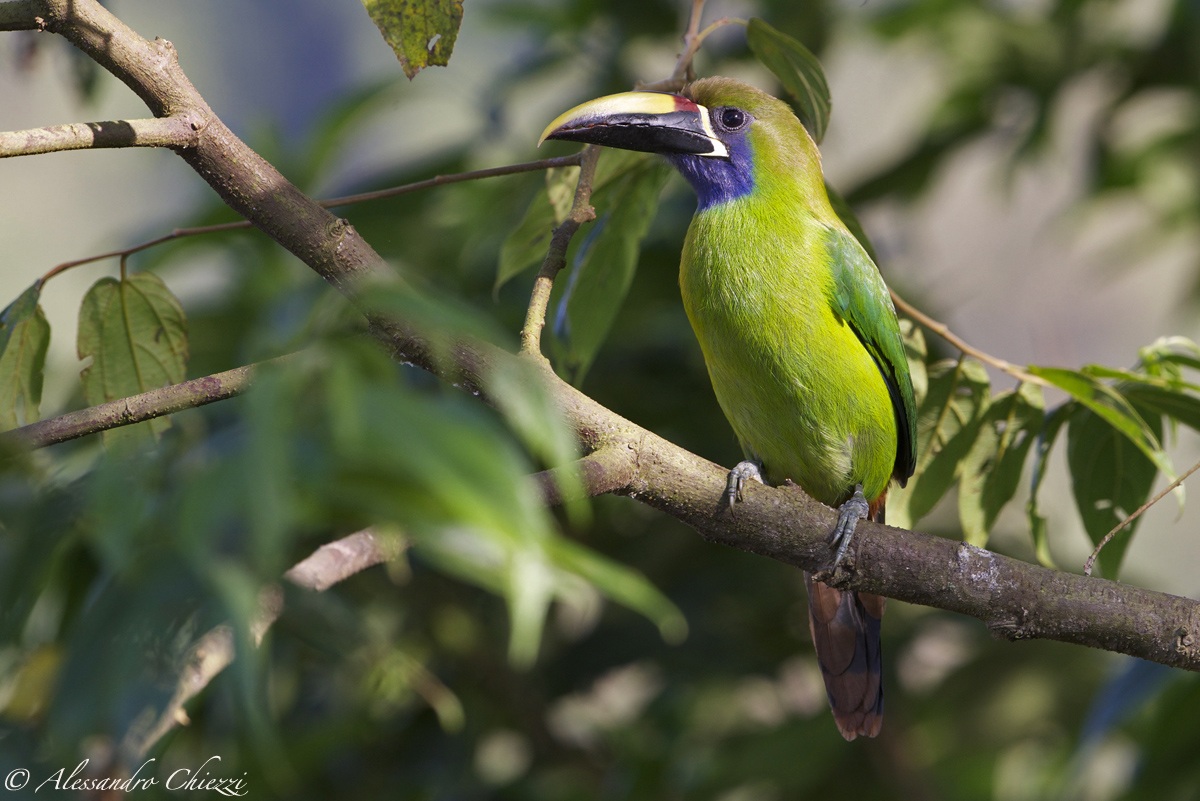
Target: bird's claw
point(849, 513)
point(741, 473)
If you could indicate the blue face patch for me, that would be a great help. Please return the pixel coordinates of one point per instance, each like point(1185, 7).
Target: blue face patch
point(718, 180)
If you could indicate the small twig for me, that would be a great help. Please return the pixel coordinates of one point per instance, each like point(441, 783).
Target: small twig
point(1091, 560)
point(943, 331)
point(153, 132)
point(215, 650)
point(556, 255)
point(345, 200)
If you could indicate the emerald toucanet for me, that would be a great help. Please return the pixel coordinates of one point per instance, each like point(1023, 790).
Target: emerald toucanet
point(797, 328)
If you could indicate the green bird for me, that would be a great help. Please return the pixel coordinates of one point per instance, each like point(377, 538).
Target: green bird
point(797, 328)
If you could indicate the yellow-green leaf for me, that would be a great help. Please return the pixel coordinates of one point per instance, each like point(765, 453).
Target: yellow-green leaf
point(420, 32)
point(991, 471)
point(948, 421)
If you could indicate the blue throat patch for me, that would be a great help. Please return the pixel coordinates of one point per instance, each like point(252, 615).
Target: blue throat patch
point(718, 180)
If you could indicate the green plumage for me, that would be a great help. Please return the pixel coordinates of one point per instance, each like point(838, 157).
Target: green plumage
point(797, 328)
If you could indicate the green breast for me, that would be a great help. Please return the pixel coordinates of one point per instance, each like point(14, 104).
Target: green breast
point(802, 393)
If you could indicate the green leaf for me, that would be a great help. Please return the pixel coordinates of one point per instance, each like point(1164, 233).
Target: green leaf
point(991, 471)
point(605, 262)
point(526, 245)
point(1172, 403)
point(24, 339)
point(420, 32)
point(1052, 424)
point(1110, 477)
point(798, 72)
point(135, 333)
point(948, 421)
point(1110, 405)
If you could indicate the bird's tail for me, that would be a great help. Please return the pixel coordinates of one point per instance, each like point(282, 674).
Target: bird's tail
point(845, 632)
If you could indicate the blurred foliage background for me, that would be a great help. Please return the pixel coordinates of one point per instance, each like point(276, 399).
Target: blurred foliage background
point(413, 682)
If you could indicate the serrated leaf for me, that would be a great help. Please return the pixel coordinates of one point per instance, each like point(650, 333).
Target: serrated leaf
point(947, 423)
point(991, 471)
point(420, 32)
point(1110, 477)
point(24, 339)
point(135, 333)
point(1052, 424)
point(798, 72)
point(605, 263)
point(526, 245)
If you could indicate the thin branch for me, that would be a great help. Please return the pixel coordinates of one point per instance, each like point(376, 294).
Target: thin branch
point(136, 408)
point(328, 203)
point(154, 132)
point(215, 650)
point(572, 160)
point(556, 255)
point(943, 331)
point(1091, 560)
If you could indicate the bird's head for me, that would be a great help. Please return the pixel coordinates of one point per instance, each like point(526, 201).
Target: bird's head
point(726, 137)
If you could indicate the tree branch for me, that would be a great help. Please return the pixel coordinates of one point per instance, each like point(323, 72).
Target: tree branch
point(156, 132)
point(134, 409)
point(20, 15)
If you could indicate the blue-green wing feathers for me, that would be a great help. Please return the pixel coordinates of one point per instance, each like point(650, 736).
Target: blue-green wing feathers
point(862, 299)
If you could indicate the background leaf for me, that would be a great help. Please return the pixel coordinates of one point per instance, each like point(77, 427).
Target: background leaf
point(135, 333)
point(1110, 477)
point(798, 72)
point(948, 422)
point(420, 32)
point(991, 471)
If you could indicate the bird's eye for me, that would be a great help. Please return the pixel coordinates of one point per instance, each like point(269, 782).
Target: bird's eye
point(732, 118)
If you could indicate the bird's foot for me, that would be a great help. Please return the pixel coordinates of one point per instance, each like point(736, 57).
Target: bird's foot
point(741, 473)
point(849, 513)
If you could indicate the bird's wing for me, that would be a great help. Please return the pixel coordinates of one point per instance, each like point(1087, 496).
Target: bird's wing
point(862, 299)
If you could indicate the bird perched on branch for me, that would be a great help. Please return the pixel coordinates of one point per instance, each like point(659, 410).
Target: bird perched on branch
point(797, 329)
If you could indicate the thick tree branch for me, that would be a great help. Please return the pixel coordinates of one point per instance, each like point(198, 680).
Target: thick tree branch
point(20, 15)
point(156, 132)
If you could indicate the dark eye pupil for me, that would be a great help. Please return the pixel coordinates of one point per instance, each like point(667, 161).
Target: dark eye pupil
point(733, 118)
